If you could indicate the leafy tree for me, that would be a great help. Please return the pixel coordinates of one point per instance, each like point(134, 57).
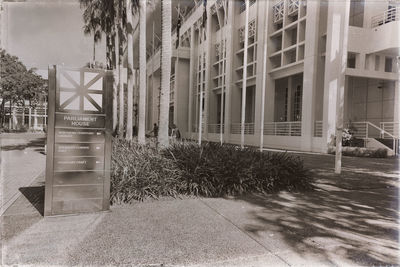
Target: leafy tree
point(18, 84)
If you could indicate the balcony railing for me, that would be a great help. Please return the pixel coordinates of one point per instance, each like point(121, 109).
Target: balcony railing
point(387, 16)
point(318, 128)
point(289, 128)
point(215, 128)
point(248, 128)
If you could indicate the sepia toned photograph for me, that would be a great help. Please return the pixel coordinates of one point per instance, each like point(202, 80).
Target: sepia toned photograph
point(200, 133)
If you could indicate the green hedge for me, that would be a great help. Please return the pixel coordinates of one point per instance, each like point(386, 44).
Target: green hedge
point(212, 170)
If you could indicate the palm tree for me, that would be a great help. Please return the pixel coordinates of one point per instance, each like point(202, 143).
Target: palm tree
point(92, 20)
point(142, 72)
point(166, 53)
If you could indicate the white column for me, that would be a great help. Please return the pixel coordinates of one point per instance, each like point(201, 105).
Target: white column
point(262, 33)
point(229, 67)
point(244, 83)
point(396, 117)
point(192, 72)
point(310, 75)
point(30, 117)
point(208, 47)
point(14, 117)
point(335, 67)
point(35, 120)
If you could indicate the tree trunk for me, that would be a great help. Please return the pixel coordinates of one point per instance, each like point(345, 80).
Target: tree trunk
point(130, 80)
point(94, 50)
point(116, 79)
point(119, 85)
point(166, 52)
point(142, 72)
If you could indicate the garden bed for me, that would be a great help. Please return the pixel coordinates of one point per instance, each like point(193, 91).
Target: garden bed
point(361, 152)
point(211, 170)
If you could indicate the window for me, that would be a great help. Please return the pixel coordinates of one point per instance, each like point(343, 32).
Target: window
point(377, 60)
point(286, 103)
point(356, 13)
point(388, 64)
point(297, 103)
point(351, 60)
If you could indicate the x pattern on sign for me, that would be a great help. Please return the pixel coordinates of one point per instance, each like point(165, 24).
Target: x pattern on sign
point(81, 91)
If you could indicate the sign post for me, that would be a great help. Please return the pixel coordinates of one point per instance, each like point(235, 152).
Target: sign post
point(78, 159)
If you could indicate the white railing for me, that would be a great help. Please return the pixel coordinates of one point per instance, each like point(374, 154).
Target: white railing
point(387, 16)
point(318, 128)
point(391, 127)
point(248, 128)
point(215, 128)
point(366, 129)
point(287, 128)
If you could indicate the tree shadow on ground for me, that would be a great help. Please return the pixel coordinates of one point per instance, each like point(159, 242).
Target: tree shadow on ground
point(35, 195)
point(37, 143)
point(353, 215)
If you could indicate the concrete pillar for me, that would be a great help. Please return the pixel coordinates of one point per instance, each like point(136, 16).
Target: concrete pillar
point(192, 78)
point(397, 108)
point(14, 118)
point(23, 116)
point(311, 56)
point(30, 118)
point(208, 81)
point(35, 120)
point(229, 85)
point(262, 21)
point(338, 23)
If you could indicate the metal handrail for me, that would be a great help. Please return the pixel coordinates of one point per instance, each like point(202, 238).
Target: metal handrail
point(283, 128)
point(391, 127)
point(366, 133)
point(237, 127)
point(215, 128)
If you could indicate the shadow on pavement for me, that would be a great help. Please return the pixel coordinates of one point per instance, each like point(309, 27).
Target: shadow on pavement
point(35, 195)
point(353, 216)
point(38, 142)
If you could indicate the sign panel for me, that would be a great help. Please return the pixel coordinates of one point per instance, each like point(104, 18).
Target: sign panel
point(78, 156)
point(78, 135)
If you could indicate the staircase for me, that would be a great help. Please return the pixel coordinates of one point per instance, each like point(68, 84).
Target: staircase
point(377, 137)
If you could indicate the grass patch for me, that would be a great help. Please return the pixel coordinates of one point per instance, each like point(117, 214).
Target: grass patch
point(211, 170)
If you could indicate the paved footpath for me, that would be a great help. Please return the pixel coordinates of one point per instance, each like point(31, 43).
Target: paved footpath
point(22, 160)
point(349, 220)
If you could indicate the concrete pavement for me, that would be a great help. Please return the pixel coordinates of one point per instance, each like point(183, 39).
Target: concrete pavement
point(22, 160)
point(349, 220)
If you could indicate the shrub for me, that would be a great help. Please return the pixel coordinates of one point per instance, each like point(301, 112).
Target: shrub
point(215, 170)
point(139, 172)
point(212, 170)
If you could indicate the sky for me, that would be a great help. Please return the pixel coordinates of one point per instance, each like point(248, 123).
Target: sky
point(48, 32)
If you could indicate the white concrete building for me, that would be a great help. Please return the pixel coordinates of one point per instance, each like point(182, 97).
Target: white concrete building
point(313, 50)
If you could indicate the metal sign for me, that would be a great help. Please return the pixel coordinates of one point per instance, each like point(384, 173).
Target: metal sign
point(79, 131)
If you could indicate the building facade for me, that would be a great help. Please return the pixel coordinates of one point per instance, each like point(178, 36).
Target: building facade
point(294, 60)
